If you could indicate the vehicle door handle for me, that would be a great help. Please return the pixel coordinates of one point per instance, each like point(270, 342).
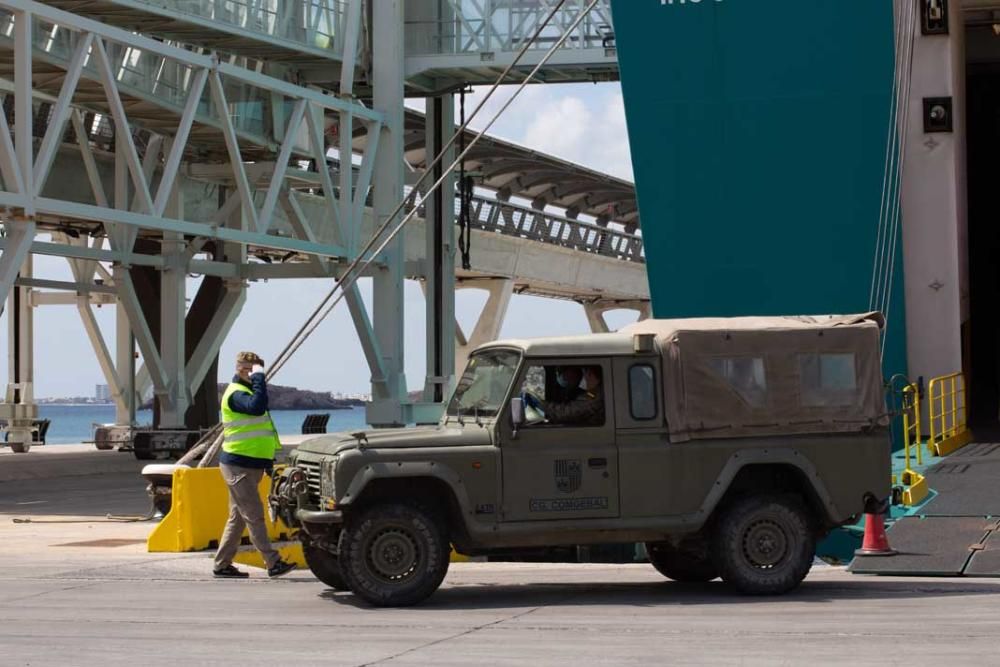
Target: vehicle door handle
point(597, 463)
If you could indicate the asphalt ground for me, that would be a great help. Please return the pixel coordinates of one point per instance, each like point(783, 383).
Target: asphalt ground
point(79, 589)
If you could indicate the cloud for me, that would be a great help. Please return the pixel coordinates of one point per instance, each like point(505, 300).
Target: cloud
point(583, 123)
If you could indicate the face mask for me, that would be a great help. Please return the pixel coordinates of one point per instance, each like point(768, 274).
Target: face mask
point(562, 381)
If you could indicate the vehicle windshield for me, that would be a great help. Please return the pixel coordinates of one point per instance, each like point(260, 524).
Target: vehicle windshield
point(483, 386)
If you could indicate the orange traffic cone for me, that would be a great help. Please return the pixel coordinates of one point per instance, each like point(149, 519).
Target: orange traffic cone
point(876, 542)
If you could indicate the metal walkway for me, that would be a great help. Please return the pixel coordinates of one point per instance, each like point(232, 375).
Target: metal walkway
point(958, 531)
point(302, 32)
point(472, 42)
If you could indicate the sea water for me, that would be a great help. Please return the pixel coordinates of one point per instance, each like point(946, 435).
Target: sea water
point(75, 423)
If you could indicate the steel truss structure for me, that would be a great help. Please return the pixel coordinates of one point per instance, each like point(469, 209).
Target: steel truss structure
point(191, 108)
point(137, 153)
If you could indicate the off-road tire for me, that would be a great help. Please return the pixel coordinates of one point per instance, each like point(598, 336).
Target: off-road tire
point(680, 564)
point(326, 567)
point(764, 545)
point(20, 447)
point(394, 555)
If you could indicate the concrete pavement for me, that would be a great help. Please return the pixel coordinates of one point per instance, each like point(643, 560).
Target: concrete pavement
point(82, 591)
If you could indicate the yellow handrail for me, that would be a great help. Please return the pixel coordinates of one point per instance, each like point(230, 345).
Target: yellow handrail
point(911, 423)
point(947, 407)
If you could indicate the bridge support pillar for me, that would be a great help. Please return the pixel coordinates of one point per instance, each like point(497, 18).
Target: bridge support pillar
point(386, 408)
point(595, 313)
point(440, 279)
point(19, 408)
point(173, 306)
point(490, 320)
point(125, 405)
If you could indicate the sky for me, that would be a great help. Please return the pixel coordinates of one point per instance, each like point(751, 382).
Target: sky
point(584, 123)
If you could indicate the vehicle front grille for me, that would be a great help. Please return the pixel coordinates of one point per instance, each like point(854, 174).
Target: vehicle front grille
point(311, 469)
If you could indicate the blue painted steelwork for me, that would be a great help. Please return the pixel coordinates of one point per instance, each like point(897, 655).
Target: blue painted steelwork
point(758, 132)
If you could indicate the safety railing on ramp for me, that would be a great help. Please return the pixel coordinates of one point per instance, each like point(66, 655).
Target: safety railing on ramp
point(915, 486)
point(948, 415)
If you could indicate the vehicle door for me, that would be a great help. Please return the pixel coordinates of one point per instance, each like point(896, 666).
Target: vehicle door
point(564, 464)
point(644, 449)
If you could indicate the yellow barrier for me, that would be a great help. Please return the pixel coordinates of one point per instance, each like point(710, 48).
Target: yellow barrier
point(948, 417)
point(916, 486)
point(198, 512)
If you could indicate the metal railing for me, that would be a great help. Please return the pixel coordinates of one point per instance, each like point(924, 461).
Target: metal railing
point(525, 222)
point(911, 424)
point(317, 24)
point(491, 215)
point(947, 412)
point(489, 26)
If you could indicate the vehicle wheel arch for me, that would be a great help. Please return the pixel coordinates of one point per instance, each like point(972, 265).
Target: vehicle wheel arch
point(771, 471)
point(431, 485)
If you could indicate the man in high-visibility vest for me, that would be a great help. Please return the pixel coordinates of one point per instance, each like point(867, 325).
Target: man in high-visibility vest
point(249, 445)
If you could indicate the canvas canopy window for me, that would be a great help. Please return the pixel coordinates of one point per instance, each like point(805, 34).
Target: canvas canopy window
point(759, 376)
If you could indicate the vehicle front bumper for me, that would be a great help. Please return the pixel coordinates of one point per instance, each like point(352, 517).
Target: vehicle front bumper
point(306, 517)
point(290, 500)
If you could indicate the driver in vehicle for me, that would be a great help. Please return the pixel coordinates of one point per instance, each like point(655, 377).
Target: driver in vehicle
point(583, 406)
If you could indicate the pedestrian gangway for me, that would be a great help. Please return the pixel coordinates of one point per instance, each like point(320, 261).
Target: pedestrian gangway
point(303, 32)
point(472, 42)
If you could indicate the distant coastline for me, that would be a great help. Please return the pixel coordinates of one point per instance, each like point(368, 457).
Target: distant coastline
point(279, 398)
point(290, 398)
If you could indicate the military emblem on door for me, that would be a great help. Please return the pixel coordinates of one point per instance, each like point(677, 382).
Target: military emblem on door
point(568, 475)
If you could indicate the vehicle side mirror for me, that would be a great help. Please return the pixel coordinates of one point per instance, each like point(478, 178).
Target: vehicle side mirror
point(516, 413)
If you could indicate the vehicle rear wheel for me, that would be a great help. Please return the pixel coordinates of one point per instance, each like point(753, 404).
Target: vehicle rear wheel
point(764, 545)
point(326, 567)
point(393, 555)
point(681, 563)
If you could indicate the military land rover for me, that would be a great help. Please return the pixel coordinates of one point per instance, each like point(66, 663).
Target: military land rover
point(727, 446)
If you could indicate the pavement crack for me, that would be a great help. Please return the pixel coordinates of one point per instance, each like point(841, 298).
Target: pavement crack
point(58, 590)
point(471, 631)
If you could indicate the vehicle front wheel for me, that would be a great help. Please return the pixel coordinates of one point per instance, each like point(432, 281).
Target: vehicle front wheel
point(764, 545)
point(393, 555)
point(680, 563)
point(326, 567)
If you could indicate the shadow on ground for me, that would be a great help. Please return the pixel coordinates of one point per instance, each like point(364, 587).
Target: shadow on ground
point(88, 496)
point(651, 594)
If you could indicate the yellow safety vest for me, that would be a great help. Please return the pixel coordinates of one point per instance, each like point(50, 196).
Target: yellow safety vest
point(247, 435)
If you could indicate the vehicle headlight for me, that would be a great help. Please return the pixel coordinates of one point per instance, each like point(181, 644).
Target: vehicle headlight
point(327, 475)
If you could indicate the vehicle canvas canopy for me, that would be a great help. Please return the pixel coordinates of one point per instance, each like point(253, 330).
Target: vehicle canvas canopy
point(760, 376)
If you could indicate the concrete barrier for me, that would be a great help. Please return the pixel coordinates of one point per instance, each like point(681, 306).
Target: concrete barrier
point(198, 515)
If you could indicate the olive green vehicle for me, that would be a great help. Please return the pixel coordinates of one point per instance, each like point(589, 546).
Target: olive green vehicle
point(727, 446)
